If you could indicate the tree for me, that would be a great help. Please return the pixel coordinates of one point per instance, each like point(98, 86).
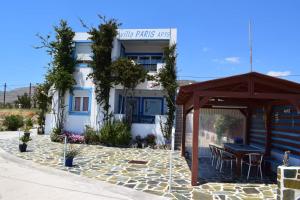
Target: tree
point(23, 100)
point(128, 74)
point(102, 37)
point(42, 100)
point(224, 123)
point(167, 77)
point(60, 72)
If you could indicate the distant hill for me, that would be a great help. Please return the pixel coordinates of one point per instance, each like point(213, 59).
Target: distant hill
point(12, 95)
point(185, 82)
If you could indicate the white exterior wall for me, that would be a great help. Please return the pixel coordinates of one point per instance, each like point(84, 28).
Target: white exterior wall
point(76, 123)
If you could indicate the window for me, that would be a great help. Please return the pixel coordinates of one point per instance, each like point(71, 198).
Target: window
point(156, 59)
point(77, 103)
point(134, 58)
point(85, 104)
point(81, 104)
point(80, 101)
point(152, 106)
point(148, 61)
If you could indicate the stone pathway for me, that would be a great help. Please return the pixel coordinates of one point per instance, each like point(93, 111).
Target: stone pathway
point(111, 165)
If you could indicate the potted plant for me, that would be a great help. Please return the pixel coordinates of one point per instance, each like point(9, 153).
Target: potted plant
point(28, 126)
point(139, 141)
point(41, 123)
point(24, 139)
point(71, 153)
point(151, 140)
point(27, 131)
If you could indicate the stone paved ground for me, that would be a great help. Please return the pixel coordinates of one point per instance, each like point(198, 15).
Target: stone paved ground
point(111, 165)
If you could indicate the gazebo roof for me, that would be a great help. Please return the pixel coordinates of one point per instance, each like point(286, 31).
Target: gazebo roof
point(246, 87)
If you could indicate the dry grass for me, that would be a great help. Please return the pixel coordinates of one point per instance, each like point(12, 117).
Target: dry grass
point(26, 113)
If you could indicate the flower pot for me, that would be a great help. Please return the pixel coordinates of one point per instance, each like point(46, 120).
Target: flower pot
point(27, 134)
point(69, 162)
point(22, 147)
point(40, 131)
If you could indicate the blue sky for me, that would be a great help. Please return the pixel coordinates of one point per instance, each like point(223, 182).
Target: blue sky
point(212, 35)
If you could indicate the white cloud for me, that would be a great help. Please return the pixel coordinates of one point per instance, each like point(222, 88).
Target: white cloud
point(279, 73)
point(230, 60)
point(205, 49)
point(233, 60)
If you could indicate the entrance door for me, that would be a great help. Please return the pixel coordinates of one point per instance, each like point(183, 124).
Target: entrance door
point(133, 110)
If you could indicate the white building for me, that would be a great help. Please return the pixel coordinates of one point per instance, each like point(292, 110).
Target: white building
point(142, 45)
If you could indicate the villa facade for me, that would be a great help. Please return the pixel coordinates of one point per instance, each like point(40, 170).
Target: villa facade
point(145, 46)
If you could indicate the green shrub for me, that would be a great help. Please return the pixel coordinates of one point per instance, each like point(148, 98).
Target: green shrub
point(107, 134)
point(91, 136)
point(24, 139)
point(123, 134)
point(115, 134)
point(151, 140)
point(13, 122)
point(56, 135)
point(72, 152)
point(28, 123)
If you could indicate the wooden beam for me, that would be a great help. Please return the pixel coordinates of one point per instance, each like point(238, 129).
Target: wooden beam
point(246, 95)
point(189, 103)
point(268, 121)
point(212, 84)
point(250, 86)
point(203, 101)
point(276, 84)
point(195, 159)
point(244, 112)
point(183, 131)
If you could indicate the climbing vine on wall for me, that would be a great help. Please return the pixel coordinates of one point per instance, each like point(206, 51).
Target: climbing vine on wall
point(102, 38)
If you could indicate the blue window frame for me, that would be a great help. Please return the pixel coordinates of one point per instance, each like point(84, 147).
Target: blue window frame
point(152, 106)
point(144, 111)
point(80, 101)
point(148, 60)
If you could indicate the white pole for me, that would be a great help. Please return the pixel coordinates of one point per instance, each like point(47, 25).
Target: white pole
point(19, 135)
point(65, 149)
point(171, 159)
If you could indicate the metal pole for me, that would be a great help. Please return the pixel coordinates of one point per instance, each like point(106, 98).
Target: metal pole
point(30, 94)
point(65, 149)
point(250, 45)
point(171, 160)
point(4, 94)
point(19, 135)
point(171, 153)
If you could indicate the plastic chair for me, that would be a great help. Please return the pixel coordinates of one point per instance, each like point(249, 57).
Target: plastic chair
point(213, 154)
point(254, 160)
point(226, 157)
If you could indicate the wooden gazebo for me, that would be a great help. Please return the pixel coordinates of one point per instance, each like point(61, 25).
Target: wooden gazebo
point(243, 92)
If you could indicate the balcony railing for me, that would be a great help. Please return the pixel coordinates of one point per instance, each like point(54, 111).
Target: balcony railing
point(150, 67)
point(143, 119)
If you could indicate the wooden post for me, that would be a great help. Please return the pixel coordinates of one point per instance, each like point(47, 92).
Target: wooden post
point(248, 125)
point(183, 131)
point(195, 158)
point(268, 122)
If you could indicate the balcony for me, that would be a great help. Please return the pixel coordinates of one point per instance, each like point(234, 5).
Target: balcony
point(157, 119)
point(150, 62)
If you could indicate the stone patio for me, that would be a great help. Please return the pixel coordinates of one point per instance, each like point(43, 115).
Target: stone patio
point(111, 165)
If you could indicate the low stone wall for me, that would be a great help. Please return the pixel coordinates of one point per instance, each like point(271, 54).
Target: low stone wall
point(288, 180)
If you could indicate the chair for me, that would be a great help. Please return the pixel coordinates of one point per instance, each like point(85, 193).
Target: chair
point(213, 154)
point(225, 157)
point(253, 160)
point(218, 155)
